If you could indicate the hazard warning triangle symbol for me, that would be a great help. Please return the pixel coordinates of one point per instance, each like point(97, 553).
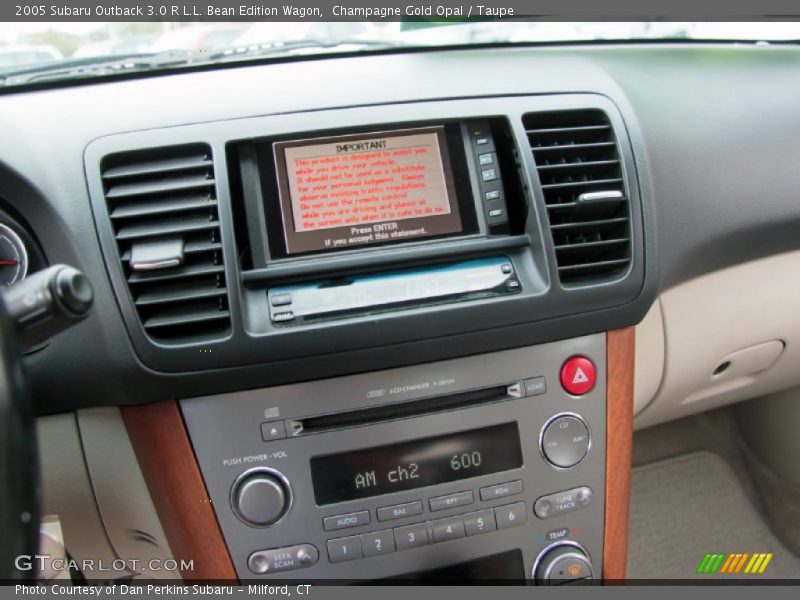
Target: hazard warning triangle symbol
point(580, 376)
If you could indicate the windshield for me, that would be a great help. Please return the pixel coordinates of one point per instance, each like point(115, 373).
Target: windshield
point(24, 45)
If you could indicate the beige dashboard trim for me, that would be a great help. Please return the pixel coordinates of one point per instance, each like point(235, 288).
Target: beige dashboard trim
point(650, 351)
point(67, 491)
point(745, 316)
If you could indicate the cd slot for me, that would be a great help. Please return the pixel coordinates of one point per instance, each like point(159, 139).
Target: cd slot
point(405, 410)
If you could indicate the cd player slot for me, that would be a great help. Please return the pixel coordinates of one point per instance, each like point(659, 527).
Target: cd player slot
point(405, 410)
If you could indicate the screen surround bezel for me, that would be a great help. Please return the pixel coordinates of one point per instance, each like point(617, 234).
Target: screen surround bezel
point(462, 195)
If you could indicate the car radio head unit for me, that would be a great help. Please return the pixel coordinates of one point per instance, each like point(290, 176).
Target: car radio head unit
point(481, 467)
point(363, 189)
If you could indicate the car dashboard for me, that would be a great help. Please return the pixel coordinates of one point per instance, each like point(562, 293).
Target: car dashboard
point(446, 386)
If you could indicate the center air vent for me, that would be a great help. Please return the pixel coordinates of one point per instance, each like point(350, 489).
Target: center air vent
point(587, 201)
point(163, 209)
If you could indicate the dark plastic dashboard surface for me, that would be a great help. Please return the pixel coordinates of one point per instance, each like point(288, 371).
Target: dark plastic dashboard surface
point(711, 129)
point(254, 340)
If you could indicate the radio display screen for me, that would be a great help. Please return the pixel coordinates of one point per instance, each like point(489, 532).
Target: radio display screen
point(363, 189)
point(415, 464)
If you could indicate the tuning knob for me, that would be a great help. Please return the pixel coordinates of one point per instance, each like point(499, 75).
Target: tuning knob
point(260, 497)
point(563, 563)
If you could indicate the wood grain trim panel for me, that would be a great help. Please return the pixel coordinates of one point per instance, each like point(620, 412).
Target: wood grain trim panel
point(620, 346)
point(165, 455)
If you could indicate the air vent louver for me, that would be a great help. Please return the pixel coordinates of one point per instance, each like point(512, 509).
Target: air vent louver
point(579, 168)
point(163, 206)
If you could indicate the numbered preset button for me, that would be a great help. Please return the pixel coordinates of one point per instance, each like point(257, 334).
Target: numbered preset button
point(378, 542)
point(346, 548)
point(411, 536)
point(510, 515)
point(478, 522)
point(450, 528)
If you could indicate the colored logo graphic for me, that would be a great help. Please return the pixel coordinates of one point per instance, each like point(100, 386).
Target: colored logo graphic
point(732, 564)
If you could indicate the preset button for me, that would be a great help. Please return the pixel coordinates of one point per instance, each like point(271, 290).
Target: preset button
point(481, 521)
point(343, 549)
point(411, 536)
point(378, 542)
point(510, 515)
point(450, 528)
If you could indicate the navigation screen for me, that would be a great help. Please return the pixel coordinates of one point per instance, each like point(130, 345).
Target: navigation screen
point(374, 188)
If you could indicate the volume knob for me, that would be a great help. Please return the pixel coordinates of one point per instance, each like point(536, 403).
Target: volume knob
point(260, 497)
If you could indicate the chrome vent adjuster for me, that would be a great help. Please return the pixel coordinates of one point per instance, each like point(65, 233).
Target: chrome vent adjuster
point(162, 204)
point(583, 184)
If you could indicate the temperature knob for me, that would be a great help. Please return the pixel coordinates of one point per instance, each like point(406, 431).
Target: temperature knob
point(563, 563)
point(260, 497)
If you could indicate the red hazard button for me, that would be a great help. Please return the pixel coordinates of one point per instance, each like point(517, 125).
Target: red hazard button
point(578, 375)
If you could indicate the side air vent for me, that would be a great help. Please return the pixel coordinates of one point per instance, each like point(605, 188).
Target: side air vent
point(579, 168)
point(163, 209)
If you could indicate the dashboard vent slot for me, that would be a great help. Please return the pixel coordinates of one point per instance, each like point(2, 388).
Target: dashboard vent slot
point(162, 205)
point(584, 189)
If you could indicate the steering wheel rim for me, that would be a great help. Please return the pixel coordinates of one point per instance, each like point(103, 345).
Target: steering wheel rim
point(19, 465)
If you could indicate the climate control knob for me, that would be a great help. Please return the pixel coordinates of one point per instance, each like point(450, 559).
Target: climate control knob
point(563, 563)
point(260, 497)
